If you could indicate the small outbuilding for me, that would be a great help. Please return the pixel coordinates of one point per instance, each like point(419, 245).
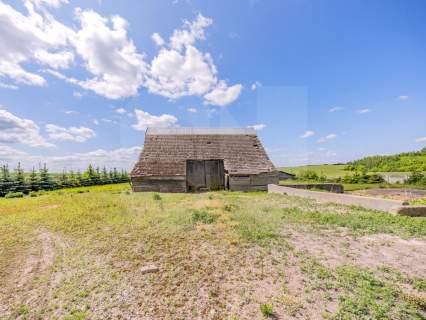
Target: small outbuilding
point(197, 159)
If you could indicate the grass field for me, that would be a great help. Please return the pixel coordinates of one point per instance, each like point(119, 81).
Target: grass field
point(329, 170)
point(80, 254)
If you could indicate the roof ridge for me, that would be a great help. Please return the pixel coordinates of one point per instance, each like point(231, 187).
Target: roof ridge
point(200, 131)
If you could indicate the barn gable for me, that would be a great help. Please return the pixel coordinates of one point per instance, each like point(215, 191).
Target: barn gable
point(165, 161)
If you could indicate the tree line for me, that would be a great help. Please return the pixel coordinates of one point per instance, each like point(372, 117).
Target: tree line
point(16, 181)
point(403, 162)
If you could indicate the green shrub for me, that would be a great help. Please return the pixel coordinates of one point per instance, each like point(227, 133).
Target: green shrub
point(202, 216)
point(14, 195)
point(157, 196)
point(267, 309)
point(308, 175)
point(33, 194)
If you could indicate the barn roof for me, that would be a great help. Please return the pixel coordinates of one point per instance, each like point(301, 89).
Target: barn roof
point(166, 150)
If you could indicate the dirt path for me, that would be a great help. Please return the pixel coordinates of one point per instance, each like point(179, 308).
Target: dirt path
point(406, 256)
point(396, 194)
point(31, 284)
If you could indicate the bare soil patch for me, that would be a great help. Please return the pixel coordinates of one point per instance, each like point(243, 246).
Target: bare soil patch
point(30, 284)
point(396, 194)
point(373, 251)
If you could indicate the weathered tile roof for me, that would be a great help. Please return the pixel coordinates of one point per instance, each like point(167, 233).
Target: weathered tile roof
point(166, 150)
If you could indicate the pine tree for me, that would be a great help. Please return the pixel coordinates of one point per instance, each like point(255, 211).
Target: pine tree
point(90, 176)
point(19, 184)
point(46, 182)
point(115, 176)
point(34, 182)
point(63, 181)
point(82, 180)
point(72, 179)
point(6, 180)
point(124, 177)
point(104, 176)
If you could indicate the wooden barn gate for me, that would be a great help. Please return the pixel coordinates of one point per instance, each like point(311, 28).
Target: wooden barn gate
point(204, 175)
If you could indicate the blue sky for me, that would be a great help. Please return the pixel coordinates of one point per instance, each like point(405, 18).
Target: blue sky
point(321, 81)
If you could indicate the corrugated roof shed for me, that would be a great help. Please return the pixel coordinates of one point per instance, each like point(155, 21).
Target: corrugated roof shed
point(167, 149)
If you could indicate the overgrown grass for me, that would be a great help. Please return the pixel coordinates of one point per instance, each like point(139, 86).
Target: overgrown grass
point(111, 232)
point(358, 220)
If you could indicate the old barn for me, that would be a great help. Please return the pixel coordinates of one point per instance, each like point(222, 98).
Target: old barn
point(196, 159)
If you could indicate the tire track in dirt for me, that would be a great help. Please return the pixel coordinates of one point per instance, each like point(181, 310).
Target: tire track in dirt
point(32, 283)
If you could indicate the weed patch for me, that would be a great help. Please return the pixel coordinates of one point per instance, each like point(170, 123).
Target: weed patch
point(202, 216)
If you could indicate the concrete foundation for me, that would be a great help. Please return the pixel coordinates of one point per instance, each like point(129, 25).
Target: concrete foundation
point(391, 206)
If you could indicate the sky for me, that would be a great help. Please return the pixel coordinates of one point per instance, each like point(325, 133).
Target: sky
point(320, 81)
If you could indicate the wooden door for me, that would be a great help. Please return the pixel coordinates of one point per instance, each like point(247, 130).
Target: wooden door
point(204, 175)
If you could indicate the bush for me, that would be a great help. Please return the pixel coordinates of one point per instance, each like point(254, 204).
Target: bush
point(416, 178)
point(14, 195)
point(267, 309)
point(202, 216)
point(157, 196)
point(363, 178)
point(34, 194)
point(308, 175)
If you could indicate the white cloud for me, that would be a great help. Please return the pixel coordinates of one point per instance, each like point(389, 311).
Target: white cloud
point(145, 120)
point(255, 85)
point(121, 158)
point(335, 109)
point(223, 95)
point(257, 127)
point(8, 86)
point(70, 112)
point(8, 153)
point(158, 40)
point(364, 110)
point(34, 36)
point(117, 68)
point(328, 137)
point(182, 70)
point(190, 32)
point(77, 94)
point(175, 74)
point(120, 110)
point(76, 134)
point(307, 134)
point(52, 3)
point(17, 130)
point(403, 98)
point(421, 139)
point(96, 122)
point(192, 110)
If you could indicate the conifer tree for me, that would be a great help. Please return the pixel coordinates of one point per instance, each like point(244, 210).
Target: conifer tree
point(6, 180)
point(72, 179)
point(104, 176)
point(34, 182)
point(80, 179)
point(63, 181)
point(46, 181)
point(19, 184)
point(115, 176)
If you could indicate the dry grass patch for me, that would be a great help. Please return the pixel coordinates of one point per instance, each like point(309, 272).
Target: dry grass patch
point(219, 256)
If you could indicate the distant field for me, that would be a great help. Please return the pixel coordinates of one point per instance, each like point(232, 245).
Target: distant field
point(332, 170)
point(329, 170)
point(82, 254)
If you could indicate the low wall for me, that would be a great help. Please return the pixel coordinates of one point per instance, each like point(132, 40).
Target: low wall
point(392, 206)
point(330, 187)
point(154, 184)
